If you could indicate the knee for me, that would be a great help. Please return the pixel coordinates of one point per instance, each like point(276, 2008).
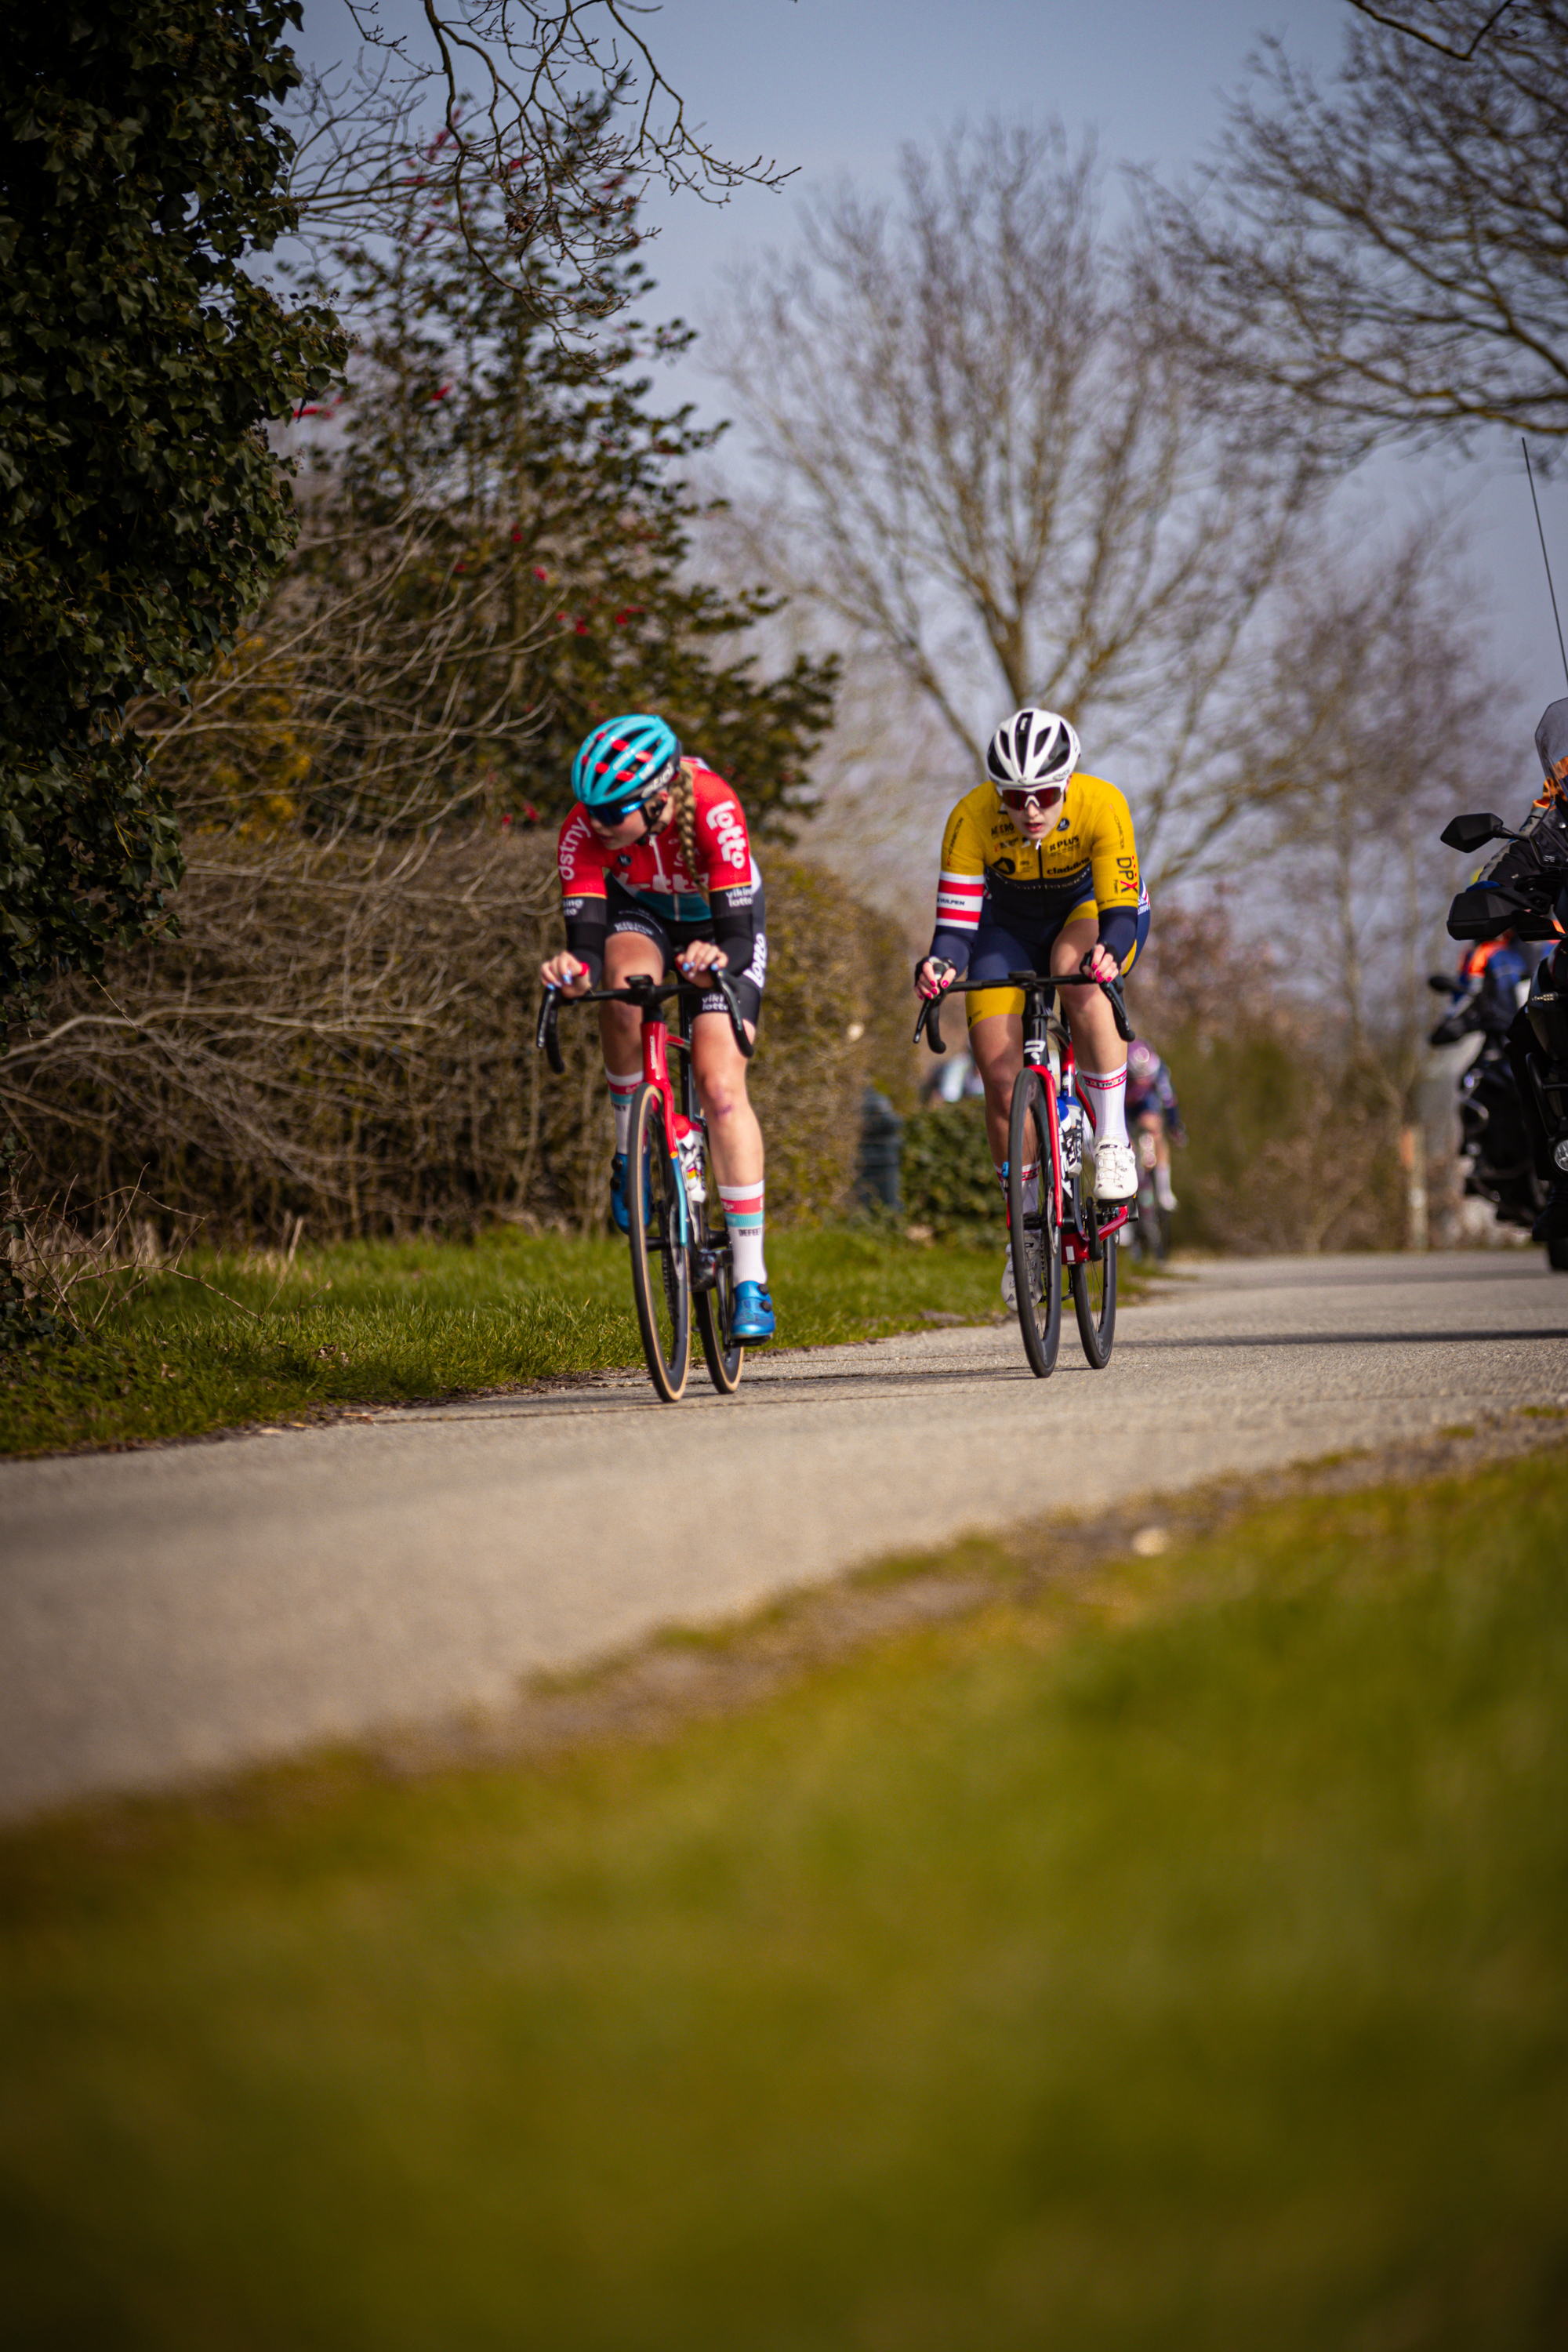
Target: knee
point(723, 1095)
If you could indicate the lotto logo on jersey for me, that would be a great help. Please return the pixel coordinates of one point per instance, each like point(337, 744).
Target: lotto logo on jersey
point(724, 822)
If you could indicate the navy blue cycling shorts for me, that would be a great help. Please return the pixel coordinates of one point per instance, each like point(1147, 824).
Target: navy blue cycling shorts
point(1001, 948)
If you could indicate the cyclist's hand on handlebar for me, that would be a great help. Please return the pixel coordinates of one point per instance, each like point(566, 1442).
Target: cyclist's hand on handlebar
point(565, 973)
point(935, 974)
point(702, 955)
point(1099, 963)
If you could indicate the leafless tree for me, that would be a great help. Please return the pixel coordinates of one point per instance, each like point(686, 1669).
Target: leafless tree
point(1391, 256)
point(559, 104)
point(989, 479)
point(1377, 715)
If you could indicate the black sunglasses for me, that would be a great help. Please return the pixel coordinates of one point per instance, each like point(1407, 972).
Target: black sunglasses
point(609, 813)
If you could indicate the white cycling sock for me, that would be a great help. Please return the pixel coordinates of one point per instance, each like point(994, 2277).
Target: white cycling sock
point(743, 1216)
point(1031, 1169)
point(621, 1093)
point(1104, 1095)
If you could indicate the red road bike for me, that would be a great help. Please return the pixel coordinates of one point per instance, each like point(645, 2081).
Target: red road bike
point(1055, 1231)
point(681, 1249)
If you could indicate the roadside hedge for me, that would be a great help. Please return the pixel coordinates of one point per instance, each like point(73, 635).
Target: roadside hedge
point(346, 1035)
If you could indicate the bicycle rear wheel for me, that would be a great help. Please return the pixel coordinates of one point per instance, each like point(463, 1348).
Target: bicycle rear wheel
point(1094, 1303)
point(716, 1307)
point(660, 1276)
point(1033, 1235)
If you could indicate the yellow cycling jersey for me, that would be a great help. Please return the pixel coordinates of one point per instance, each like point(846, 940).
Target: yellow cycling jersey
point(1090, 853)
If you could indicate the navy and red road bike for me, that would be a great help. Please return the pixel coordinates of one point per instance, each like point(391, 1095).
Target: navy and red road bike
point(681, 1249)
point(1055, 1231)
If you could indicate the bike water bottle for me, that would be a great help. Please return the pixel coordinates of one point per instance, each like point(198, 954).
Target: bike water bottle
point(1070, 1121)
point(689, 1146)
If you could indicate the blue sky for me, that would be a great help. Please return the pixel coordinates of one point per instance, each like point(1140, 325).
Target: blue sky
point(836, 86)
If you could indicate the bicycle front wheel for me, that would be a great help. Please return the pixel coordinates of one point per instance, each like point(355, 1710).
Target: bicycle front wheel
point(661, 1277)
point(1033, 1235)
point(1094, 1303)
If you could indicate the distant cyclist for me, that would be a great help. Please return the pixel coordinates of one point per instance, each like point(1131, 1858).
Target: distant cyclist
point(1152, 1111)
point(656, 873)
point(1040, 873)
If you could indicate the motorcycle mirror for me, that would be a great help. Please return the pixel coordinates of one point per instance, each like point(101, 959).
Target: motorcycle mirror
point(1467, 832)
point(1441, 982)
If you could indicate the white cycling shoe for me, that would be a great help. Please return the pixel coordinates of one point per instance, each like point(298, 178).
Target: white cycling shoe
point(1115, 1173)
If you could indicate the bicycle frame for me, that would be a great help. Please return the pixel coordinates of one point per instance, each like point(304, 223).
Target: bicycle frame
point(683, 1121)
point(1052, 1055)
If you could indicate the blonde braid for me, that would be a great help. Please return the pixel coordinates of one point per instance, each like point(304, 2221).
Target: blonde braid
point(683, 799)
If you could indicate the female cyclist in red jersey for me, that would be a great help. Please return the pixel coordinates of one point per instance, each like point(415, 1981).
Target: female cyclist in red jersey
point(656, 873)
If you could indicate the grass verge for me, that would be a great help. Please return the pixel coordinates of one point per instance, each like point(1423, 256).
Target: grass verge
point(1177, 1955)
point(382, 1322)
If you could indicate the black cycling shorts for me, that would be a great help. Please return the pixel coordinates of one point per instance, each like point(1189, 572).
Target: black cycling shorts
point(629, 914)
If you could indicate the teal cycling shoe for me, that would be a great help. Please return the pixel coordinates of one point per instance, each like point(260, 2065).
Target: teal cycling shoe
point(755, 1316)
point(618, 1217)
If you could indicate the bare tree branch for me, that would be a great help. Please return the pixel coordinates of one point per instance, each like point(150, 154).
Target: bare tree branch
point(1391, 257)
point(571, 121)
point(1394, 25)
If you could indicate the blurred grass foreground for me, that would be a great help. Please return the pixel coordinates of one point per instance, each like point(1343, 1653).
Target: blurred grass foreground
point(1175, 1956)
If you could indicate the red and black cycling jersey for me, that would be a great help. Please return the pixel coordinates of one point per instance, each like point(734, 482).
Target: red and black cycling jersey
point(717, 902)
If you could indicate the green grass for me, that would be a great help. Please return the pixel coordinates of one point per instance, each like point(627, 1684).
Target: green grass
point(1177, 1960)
point(382, 1322)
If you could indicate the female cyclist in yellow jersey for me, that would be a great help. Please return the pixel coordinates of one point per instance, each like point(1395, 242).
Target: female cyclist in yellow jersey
point(1040, 873)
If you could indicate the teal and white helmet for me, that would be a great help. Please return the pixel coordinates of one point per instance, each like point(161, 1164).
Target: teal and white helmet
point(622, 762)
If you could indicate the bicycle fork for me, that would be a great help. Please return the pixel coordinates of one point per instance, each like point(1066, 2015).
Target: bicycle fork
point(678, 1130)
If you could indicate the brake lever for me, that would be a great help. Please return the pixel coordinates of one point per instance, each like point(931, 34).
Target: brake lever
point(929, 1021)
point(546, 1041)
point(748, 1045)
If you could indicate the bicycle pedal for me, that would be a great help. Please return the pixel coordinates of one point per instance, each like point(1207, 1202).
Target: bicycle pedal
point(704, 1269)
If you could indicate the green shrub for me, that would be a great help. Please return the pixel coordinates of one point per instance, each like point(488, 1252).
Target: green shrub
point(949, 1182)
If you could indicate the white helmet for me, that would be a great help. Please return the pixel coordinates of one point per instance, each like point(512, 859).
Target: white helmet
point(1033, 747)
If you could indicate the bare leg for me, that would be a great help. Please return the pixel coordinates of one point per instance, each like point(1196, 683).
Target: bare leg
point(1096, 1041)
point(734, 1138)
point(997, 1046)
point(627, 953)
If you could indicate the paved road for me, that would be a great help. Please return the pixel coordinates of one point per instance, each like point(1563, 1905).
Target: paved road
point(184, 1609)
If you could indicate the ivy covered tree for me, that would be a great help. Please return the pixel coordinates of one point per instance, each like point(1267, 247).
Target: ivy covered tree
point(529, 508)
point(141, 163)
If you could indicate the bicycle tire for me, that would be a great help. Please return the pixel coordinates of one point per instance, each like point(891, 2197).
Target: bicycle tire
point(1094, 1303)
point(1037, 1252)
point(724, 1357)
point(661, 1283)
